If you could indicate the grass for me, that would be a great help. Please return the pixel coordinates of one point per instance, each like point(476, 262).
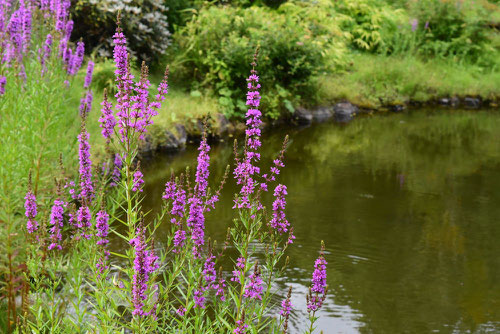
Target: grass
point(375, 80)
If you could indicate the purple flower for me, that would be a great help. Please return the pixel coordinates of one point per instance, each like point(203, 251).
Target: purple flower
point(254, 287)
point(138, 181)
point(170, 188)
point(178, 205)
point(83, 220)
point(240, 269)
point(245, 169)
point(56, 220)
point(219, 287)
point(202, 171)
point(426, 26)
point(199, 297)
point(68, 29)
point(279, 222)
point(107, 120)
point(88, 76)
point(86, 103)
point(3, 82)
point(31, 211)
point(414, 25)
point(47, 50)
point(179, 238)
point(317, 291)
point(102, 227)
point(145, 263)
point(181, 311)
point(76, 60)
point(209, 273)
point(241, 327)
point(26, 26)
point(124, 82)
point(196, 219)
point(86, 187)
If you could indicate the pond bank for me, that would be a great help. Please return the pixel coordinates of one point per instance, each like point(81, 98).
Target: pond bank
point(175, 138)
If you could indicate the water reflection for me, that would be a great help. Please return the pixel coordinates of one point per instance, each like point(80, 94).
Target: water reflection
point(407, 205)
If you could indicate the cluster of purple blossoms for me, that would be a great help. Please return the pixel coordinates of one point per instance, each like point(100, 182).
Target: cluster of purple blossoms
point(86, 103)
point(196, 218)
point(18, 31)
point(254, 288)
point(102, 227)
point(145, 263)
point(85, 170)
point(181, 311)
point(209, 273)
point(83, 221)
point(219, 287)
point(240, 269)
point(107, 120)
point(47, 50)
point(279, 221)
point(245, 169)
point(134, 110)
point(31, 211)
point(56, 220)
point(88, 75)
point(199, 297)
point(176, 193)
point(318, 289)
point(241, 326)
point(138, 181)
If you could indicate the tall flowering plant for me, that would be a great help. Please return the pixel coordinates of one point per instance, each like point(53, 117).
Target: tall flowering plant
point(178, 283)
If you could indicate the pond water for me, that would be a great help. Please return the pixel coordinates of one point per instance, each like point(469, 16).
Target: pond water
point(408, 206)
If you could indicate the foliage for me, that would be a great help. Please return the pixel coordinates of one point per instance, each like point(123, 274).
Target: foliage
point(145, 21)
point(295, 45)
point(378, 80)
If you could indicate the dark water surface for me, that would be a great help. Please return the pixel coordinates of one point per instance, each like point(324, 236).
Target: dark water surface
point(408, 206)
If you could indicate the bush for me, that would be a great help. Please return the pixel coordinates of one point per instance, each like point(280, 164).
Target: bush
point(294, 46)
point(145, 21)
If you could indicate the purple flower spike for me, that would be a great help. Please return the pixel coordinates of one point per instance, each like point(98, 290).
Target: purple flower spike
point(86, 103)
point(318, 289)
point(88, 76)
point(245, 169)
point(138, 181)
point(254, 288)
point(56, 220)
point(145, 263)
point(414, 25)
point(86, 186)
point(102, 227)
point(31, 211)
point(240, 268)
point(196, 219)
point(279, 222)
point(107, 120)
point(84, 223)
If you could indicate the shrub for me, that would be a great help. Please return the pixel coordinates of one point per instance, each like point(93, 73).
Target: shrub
point(145, 21)
point(294, 47)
